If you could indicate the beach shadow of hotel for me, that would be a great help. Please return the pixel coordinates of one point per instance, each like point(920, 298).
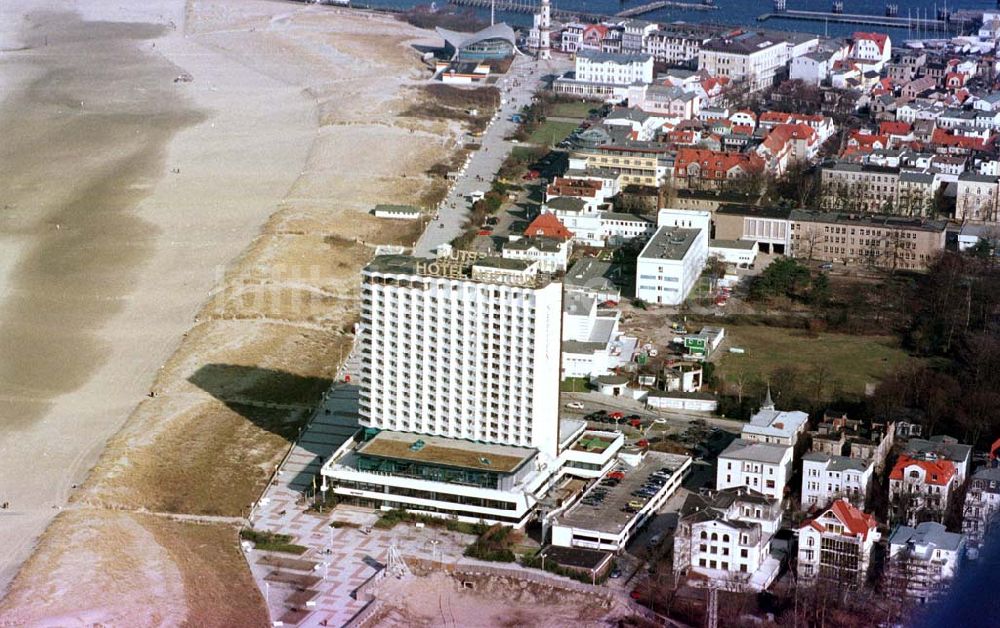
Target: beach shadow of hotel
point(283, 403)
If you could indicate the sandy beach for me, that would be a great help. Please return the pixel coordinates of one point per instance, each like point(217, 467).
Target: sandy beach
point(198, 240)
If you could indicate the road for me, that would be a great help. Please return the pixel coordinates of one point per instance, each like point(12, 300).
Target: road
point(516, 89)
point(676, 419)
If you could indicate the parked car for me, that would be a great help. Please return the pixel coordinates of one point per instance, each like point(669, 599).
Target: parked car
point(575, 405)
point(615, 573)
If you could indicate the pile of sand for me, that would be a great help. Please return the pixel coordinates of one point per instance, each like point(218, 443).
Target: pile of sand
point(440, 600)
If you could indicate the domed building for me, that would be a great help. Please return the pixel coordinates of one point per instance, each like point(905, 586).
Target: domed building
point(493, 42)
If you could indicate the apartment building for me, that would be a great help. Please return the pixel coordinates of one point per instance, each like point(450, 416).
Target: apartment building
point(827, 477)
point(853, 187)
point(868, 442)
point(552, 254)
point(634, 35)
point(923, 560)
point(614, 69)
point(702, 169)
point(866, 241)
point(977, 198)
point(636, 163)
point(758, 59)
point(982, 505)
point(758, 466)
point(920, 488)
point(727, 534)
point(837, 545)
point(678, 44)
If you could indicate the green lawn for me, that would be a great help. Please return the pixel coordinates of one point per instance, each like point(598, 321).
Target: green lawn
point(551, 132)
point(846, 362)
point(272, 542)
point(573, 109)
point(574, 384)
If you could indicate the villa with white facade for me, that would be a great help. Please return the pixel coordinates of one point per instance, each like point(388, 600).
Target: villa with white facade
point(826, 478)
point(757, 466)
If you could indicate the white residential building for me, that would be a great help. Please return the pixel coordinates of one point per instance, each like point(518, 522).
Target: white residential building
point(870, 51)
point(920, 488)
point(758, 466)
point(726, 535)
point(757, 59)
point(923, 560)
point(775, 427)
point(461, 349)
point(551, 254)
point(828, 477)
point(613, 69)
point(837, 545)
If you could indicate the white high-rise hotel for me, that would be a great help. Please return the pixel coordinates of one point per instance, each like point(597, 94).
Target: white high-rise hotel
point(471, 357)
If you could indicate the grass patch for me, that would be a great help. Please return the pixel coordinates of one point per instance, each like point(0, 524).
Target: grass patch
point(392, 518)
point(345, 524)
point(574, 384)
point(849, 362)
point(551, 132)
point(271, 542)
point(494, 544)
point(580, 109)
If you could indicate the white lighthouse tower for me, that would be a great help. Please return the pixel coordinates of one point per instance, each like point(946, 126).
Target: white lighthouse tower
point(540, 36)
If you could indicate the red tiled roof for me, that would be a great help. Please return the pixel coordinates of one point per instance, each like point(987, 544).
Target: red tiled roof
point(878, 38)
point(715, 164)
point(943, 138)
point(936, 472)
point(782, 134)
point(894, 127)
point(548, 225)
point(855, 522)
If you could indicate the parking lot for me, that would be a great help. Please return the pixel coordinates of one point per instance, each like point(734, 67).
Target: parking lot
point(611, 504)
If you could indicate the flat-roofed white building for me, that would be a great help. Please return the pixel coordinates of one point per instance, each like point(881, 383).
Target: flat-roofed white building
point(740, 253)
point(670, 264)
point(461, 349)
point(592, 344)
point(758, 466)
point(612, 521)
point(828, 477)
